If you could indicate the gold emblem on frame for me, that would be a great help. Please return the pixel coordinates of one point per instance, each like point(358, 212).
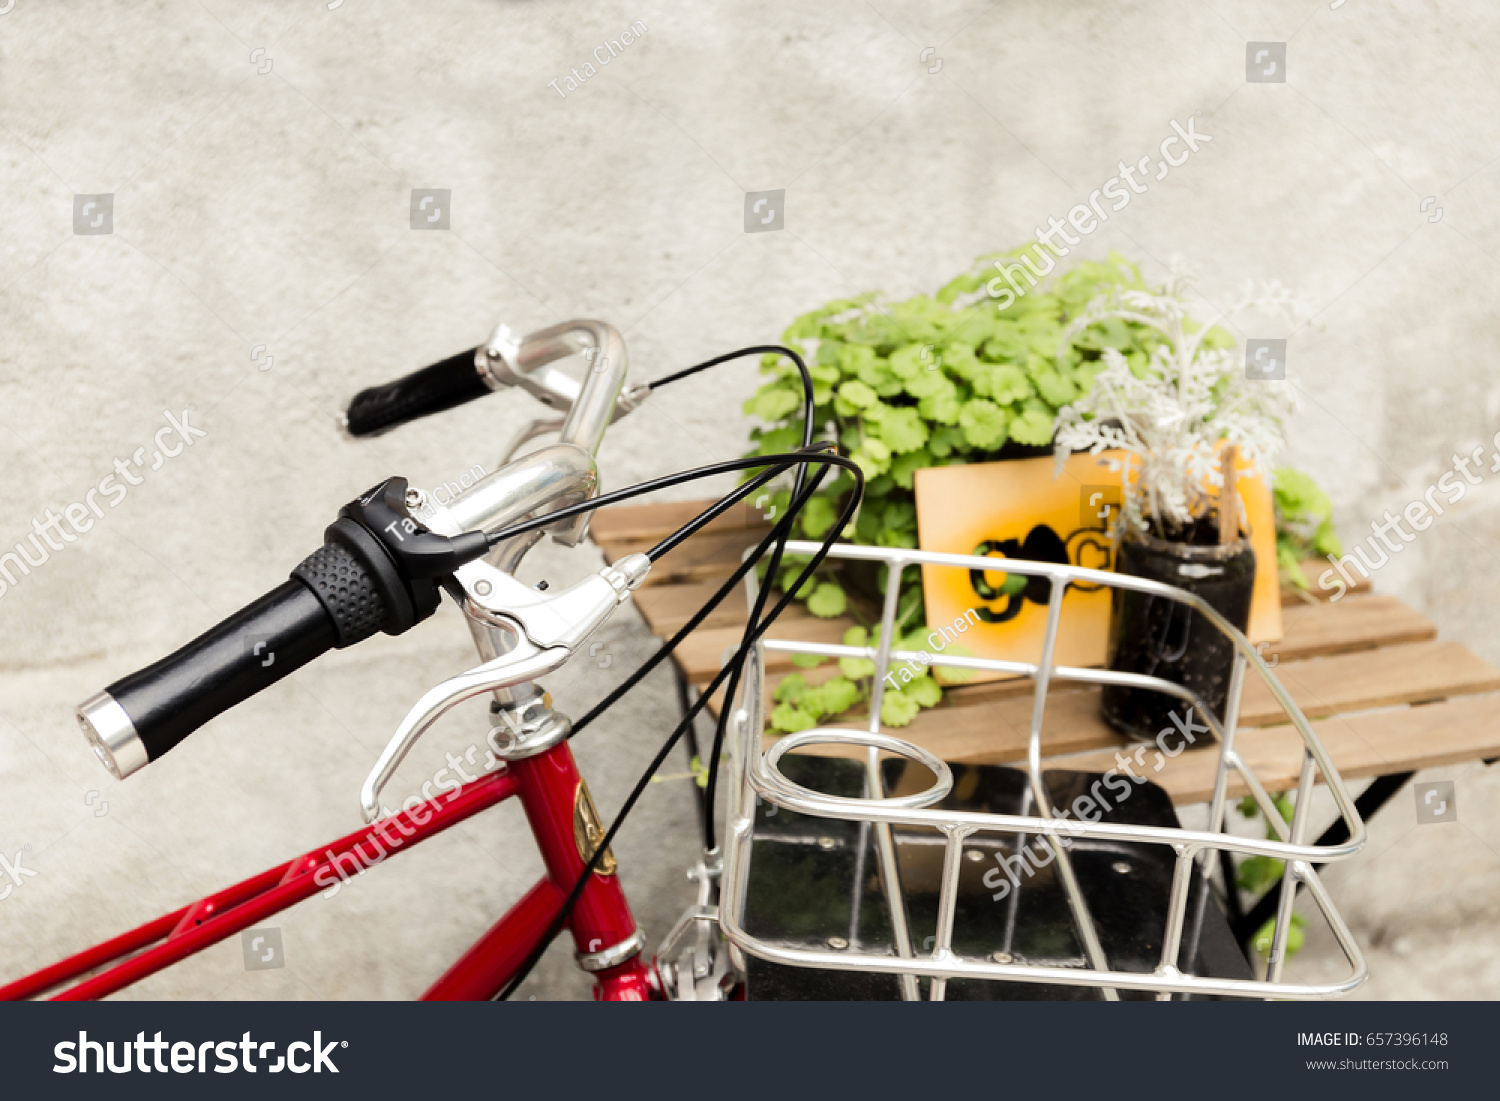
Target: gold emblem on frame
point(588, 831)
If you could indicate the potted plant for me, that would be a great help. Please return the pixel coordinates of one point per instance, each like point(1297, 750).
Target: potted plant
point(1180, 413)
point(960, 376)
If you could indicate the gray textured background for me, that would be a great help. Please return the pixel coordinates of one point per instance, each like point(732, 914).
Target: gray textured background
point(272, 209)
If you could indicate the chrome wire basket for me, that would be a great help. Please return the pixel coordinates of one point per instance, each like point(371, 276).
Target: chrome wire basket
point(757, 770)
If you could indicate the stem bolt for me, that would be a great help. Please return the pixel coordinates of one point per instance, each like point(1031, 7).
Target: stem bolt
point(1002, 957)
point(838, 943)
point(826, 843)
point(1122, 867)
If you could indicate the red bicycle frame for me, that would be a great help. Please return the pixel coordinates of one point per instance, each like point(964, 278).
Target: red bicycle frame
point(561, 816)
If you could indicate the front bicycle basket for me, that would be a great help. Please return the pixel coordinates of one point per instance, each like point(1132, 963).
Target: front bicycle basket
point(907, 876)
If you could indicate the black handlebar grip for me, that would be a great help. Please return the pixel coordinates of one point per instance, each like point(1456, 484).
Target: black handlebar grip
point(330, 601)
point(431, 390)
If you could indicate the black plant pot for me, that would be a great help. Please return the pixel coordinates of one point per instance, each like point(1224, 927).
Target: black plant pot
point(1165, 638)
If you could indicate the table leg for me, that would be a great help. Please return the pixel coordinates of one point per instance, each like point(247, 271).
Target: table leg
point(1232, 908)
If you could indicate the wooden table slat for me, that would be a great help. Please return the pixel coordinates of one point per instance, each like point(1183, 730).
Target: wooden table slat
point(1415, 673)
point(1374, 743)
point(997, 731)
point(1384, 694)
point(653, 522)
point(1354, 624)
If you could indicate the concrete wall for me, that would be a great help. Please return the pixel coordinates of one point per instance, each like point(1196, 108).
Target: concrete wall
point(263, 199)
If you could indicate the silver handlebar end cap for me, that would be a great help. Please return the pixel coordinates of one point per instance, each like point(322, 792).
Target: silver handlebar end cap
point(112, 735)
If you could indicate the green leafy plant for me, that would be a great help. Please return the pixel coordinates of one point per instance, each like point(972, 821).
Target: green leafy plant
point(934, 380)
point(801, 705)
point(1304, 524)
point(1256, 873)
point(1295, 936)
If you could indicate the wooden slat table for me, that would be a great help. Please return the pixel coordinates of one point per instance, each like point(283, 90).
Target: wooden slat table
point(1386, 695)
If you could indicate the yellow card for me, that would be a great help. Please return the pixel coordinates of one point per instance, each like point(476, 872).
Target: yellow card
point(1265, 599)
point(1019, 509)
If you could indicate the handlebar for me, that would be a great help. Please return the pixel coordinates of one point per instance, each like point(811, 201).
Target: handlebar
point(591, 406)
point(504, 361)
point(382, 561)
point(139, 717)
point(452, 382)
point(377, 570)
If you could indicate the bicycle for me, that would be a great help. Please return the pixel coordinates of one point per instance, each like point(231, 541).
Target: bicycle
point(393, 551)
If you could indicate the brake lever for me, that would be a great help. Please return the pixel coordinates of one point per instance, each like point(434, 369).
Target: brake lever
point(547, 630)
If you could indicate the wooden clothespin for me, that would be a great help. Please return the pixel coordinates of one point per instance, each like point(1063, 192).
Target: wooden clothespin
point(1229, 496)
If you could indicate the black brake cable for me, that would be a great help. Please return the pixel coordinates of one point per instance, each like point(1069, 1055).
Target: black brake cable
point(772, 568)
point(778, 534)
point(781, 463)
point(704, 611)
point(703, 796)
point(754, 349)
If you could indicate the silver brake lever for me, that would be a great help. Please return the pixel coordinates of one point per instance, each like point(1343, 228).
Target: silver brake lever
point(547, 630)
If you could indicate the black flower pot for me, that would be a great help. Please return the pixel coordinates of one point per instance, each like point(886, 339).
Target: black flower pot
point(1165, 638)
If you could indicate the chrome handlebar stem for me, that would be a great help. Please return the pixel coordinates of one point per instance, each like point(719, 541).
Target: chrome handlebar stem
point(521, 632)
point(589, 406)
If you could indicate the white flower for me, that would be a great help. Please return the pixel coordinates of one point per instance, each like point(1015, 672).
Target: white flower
point(1187, 398)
